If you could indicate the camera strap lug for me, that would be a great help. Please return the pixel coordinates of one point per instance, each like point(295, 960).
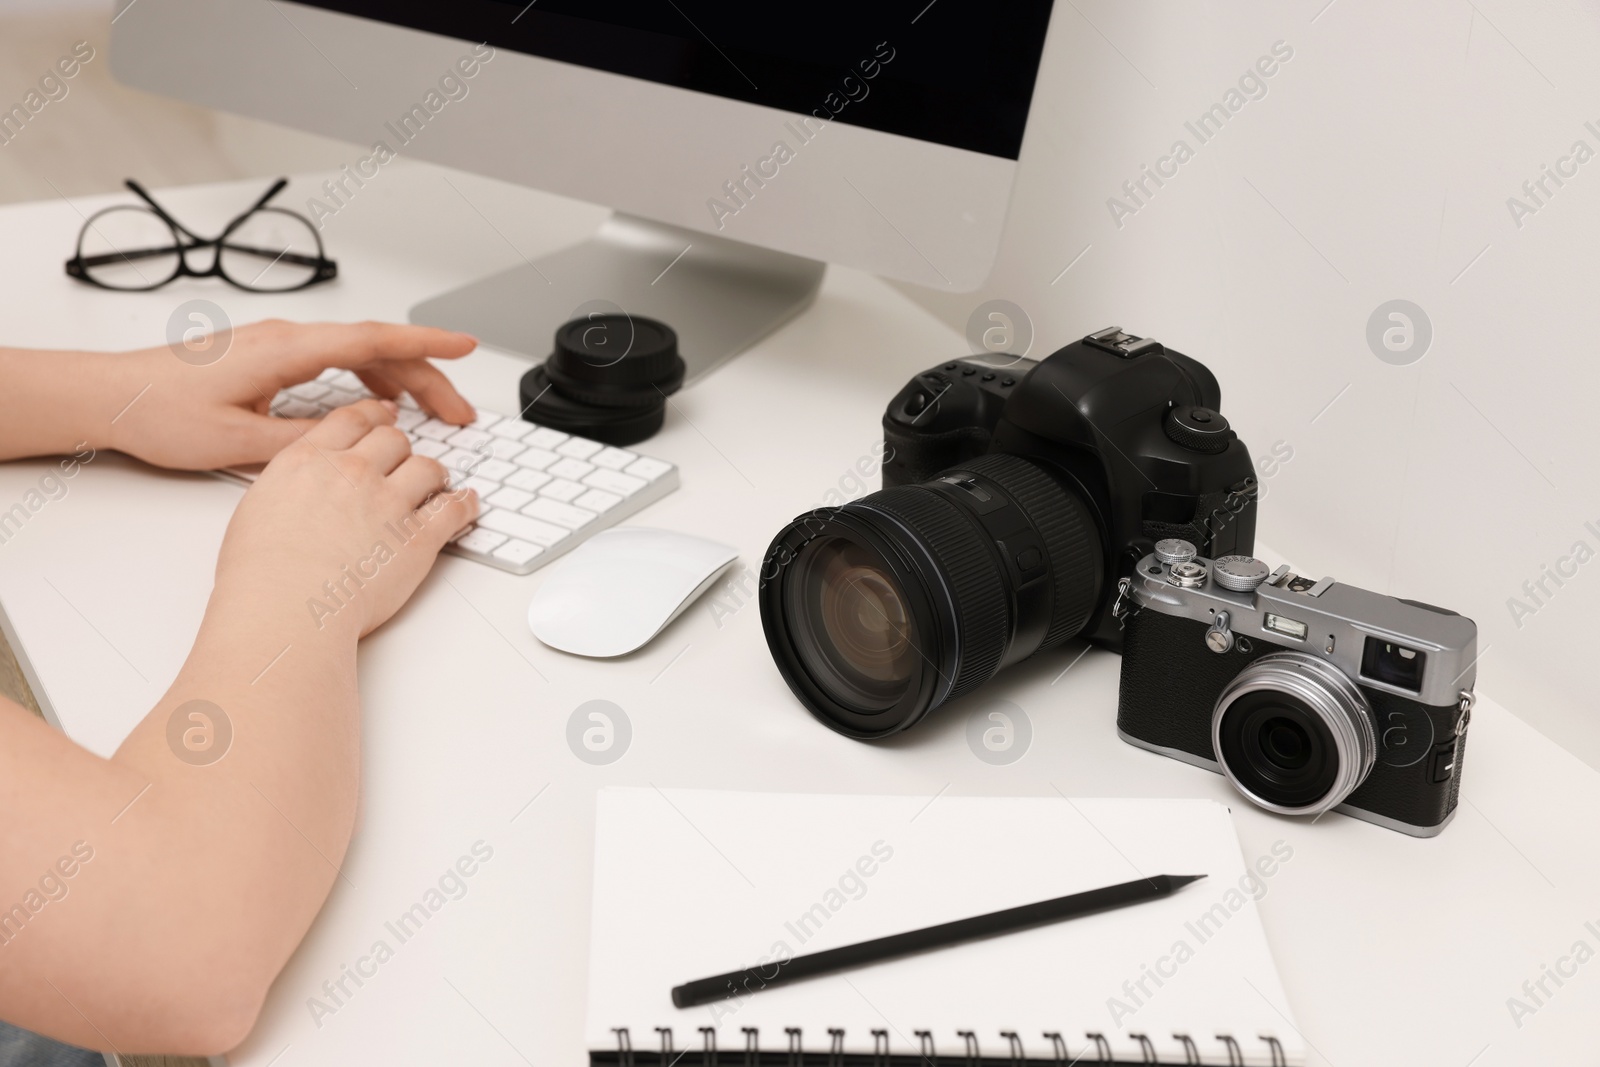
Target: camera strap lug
point(1119, 606)
point(1466, 701)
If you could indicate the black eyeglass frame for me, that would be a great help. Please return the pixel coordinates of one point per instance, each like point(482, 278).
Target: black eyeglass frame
point(79, 267)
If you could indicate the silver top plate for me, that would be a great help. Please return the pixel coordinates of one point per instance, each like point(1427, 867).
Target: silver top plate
point(1339, 618)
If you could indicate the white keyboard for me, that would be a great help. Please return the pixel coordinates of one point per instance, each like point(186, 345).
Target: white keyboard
point(542, 492)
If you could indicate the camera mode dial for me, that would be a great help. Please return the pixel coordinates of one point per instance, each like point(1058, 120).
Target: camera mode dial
point(1198, 429)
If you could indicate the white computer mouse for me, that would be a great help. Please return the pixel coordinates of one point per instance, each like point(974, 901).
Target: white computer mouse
point(619, 589)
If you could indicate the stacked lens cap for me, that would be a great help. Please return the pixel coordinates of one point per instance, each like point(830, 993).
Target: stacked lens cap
point(608, 379)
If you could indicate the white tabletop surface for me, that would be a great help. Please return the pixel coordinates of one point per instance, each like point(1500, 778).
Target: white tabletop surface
point(1393, 950)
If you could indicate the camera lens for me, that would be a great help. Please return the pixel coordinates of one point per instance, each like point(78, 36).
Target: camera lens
point(883, 609)
point(1293, 734)
point(1286, 744)
point(852, 623)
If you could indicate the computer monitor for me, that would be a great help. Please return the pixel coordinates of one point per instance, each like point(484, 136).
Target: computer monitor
point(741, 145)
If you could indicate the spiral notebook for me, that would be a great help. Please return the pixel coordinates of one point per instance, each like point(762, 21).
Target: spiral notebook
point(693, 883)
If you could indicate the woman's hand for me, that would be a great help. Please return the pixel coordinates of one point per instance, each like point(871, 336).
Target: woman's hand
point(202, 417)
point(343, 524)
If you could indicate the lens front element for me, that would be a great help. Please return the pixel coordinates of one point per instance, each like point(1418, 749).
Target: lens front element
point(852, 625)
point(1293, 734)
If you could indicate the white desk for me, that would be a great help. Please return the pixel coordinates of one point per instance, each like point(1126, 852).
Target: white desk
point(1393, 950)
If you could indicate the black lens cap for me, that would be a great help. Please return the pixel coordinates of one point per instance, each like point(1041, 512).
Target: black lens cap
point(616, 361)
point(607, 379)
point(543, 405)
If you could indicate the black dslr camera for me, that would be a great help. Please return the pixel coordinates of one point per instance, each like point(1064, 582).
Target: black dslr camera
point(1309, 694)
point(1014, 498)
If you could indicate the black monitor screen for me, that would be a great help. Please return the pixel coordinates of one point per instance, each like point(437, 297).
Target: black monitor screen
point(954, 72)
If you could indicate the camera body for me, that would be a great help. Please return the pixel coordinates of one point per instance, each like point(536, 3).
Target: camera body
point(1308, 694)
point(1128, 424)
point(1015, 493)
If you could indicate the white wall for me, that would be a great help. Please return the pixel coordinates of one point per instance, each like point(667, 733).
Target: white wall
point(1377, 167)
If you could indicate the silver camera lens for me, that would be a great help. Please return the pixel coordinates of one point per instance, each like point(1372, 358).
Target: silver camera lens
point(1293, 734)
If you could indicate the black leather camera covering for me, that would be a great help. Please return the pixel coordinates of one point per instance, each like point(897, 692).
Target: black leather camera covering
point(1171, 679)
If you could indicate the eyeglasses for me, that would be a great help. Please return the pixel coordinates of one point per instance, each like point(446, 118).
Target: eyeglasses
point(264, 250)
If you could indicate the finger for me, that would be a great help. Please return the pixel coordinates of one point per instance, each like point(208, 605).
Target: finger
point(418, 478)
point(360, 344)
point(380, 383)
point(257, 438)
point(344, 426)
point(432, 391)
point(385, 447)
point(443, 515)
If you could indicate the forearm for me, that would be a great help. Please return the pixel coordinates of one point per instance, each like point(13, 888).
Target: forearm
point(266, 813)
point(227, 845)
point(53, 402)
point(218, 828)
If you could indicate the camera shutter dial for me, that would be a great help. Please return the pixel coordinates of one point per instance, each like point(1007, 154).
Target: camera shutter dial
point(1198, 429)
point(1239, 573)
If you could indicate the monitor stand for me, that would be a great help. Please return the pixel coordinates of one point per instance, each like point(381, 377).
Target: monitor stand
point(720, 296)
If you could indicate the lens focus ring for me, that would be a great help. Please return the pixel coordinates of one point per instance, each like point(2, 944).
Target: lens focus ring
point(1071, 542)
point(972, 580)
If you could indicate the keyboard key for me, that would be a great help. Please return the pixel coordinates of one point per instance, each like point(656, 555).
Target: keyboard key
point(598, 500)
point(459, 459)
point(571, 469)
point(580, 447)
point(407, 402)
point(485, 419)
point(535, 458)
point(479, 540)
point(517, 553)
point(612, 482)
point(510, 499)
point(409, 419)
point(562, 490)
point(295, 408)
point(521, 526)
point(614, 459)
point(560, 514)
point(347, 380)
point(505, 448)
point(435, 430)
point(468, 438)
point(497, 469)
point(511, 429)
point(544, 437)
point(431, 449)
point(308, 390)
point(330, 374)
point(527, 480)
point(648, 469)
point(338, 398)
point(484, 486)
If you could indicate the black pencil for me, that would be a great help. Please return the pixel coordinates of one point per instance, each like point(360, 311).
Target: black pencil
point(1009, 920)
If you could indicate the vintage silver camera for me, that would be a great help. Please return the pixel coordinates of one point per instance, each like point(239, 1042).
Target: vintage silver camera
point(1307, 694)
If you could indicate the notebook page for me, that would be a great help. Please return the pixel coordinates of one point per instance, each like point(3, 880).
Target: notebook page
point(692, 883)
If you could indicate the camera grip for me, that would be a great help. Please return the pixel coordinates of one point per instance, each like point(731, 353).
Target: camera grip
point(911, 458)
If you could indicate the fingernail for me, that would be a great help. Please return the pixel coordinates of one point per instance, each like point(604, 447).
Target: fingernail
point(390, 406)
point(471, 338)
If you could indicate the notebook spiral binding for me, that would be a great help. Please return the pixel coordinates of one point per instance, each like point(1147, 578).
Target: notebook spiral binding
point(793, 1054)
